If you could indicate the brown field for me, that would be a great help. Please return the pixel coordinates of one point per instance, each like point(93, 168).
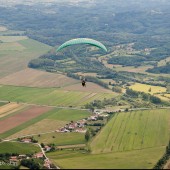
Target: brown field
point(36, 78)
point(21, 117)
point(90, 87)
point(43, 126)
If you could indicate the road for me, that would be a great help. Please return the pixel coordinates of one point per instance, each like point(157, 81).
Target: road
point(59, 107)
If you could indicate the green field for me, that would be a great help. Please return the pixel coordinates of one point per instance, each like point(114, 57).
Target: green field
point(133, 130)
point(20, 148)
point(49, 96)
point(68, 115)
point(138, 159)
point(62, 138)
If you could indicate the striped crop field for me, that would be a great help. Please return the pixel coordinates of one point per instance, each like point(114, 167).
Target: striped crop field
point(50, 96)
point(133, 131)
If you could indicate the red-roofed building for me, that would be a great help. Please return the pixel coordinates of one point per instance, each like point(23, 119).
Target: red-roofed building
point(25, 140)
point(47, 148)
point(14, 161)
point(39, 155)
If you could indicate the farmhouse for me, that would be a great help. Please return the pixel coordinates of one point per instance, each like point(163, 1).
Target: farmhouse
point(39, 155)
point(14, 161)
point(47, 164)
point(81, 123)
point(72, 126)
point(93, 118)
point(63, 130)
point(47, 148)
point(22, 156)
point(80, 130)
point(25, 140)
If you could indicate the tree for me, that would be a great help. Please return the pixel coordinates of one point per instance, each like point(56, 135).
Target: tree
point(42, 145)
point(87, 135)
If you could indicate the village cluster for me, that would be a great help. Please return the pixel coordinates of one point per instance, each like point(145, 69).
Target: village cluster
point(80, 126)
point(16, 160)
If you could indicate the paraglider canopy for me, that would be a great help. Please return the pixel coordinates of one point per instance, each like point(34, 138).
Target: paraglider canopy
point(82, 41)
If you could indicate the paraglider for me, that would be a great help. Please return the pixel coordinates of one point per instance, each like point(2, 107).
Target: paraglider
point(82, 41)
point(78, 41)
point(83, 82)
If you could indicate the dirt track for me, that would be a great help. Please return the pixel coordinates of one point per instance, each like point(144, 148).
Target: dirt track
point(22, 117)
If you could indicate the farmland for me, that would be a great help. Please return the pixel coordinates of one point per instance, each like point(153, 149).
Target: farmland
point(20, 148)
point(50, 96)
point(145, 88)
point(133, 130)
point(16, 52)
point(21, 117)
point(37, 78)
point(137, 159)
point(55, 119)
point(9, 109)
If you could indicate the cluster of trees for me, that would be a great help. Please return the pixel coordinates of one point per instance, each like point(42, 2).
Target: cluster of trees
point(127, 61)
point(6, 156)
point(161, 163)
point(163, 69)
point(144, 96)
point(31, 164)
point(101, 104)
point(117, 89)
point(50, 145)
point(41, 63)
point(91, 133)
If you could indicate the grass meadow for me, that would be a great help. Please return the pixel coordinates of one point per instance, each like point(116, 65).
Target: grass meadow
point(136, 159)
point(61, 139)
point(20, 148)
